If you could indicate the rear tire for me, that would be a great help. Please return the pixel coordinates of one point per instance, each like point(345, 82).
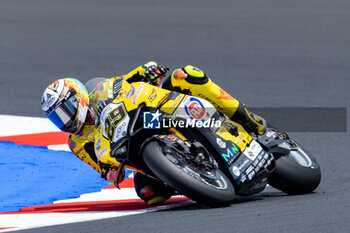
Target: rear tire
point(296, 173)
point(215, 190)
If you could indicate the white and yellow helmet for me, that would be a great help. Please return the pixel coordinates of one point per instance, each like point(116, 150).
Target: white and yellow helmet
point(66, 103)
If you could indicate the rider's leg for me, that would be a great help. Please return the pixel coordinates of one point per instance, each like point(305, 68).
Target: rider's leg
point(150, 190)
point(249, 120)
point(193, 81)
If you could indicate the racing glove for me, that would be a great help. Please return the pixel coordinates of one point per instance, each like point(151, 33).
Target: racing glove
point(154, 73)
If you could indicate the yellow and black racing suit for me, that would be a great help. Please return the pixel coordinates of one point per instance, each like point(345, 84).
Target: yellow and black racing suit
point(189, 80)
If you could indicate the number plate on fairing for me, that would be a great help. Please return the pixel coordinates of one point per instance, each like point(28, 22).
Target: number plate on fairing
point(114, 119)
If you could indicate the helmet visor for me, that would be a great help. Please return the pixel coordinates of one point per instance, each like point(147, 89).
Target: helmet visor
point(63, 116)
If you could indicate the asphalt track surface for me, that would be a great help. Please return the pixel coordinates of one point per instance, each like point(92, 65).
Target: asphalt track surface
point(266, 53)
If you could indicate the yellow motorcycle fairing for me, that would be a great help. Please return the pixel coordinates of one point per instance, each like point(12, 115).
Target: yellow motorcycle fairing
point(241, 140)
point(114, 118)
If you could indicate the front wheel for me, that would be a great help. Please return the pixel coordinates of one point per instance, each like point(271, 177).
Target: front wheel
point(207, 186)
point(297, 172)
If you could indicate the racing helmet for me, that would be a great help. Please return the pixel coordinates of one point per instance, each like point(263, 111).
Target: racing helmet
point(66, 103)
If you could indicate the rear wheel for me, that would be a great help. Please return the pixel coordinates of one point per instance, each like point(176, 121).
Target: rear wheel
point(297, 172)
point(206, 185)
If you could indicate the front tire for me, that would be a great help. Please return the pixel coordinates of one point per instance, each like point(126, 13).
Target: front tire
point(212, 188)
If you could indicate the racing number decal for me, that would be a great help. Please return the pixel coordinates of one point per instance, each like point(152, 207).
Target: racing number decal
point(113, 119)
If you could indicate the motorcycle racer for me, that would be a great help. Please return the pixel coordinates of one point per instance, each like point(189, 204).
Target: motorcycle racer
point(68, 105)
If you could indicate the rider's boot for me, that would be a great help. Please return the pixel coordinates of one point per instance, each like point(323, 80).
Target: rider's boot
point(191, 80)
point(150, 190)
point(250, 121)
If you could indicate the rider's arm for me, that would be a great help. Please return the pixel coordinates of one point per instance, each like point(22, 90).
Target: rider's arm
point(149, 72)
point(84, 150)
point(136, 75)
point(83, 147)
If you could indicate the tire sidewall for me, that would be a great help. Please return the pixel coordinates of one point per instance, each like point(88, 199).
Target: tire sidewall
point(183, 182)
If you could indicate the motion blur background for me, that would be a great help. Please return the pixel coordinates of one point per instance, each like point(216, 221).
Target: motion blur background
point(265, 53)
point(272, 53)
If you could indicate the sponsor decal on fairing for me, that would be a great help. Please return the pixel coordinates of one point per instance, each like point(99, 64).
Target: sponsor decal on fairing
point(221, 143)
point(236, 171)
point(98, 144)
point(130, 92)
point(231, 153)
point(102, 153)
point(137, 93)
point(195, 109)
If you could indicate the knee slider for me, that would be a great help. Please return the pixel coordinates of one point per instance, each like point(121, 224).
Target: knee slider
point(191, 74)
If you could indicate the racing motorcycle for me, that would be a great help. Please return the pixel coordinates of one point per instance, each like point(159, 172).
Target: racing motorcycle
point(185, 142)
